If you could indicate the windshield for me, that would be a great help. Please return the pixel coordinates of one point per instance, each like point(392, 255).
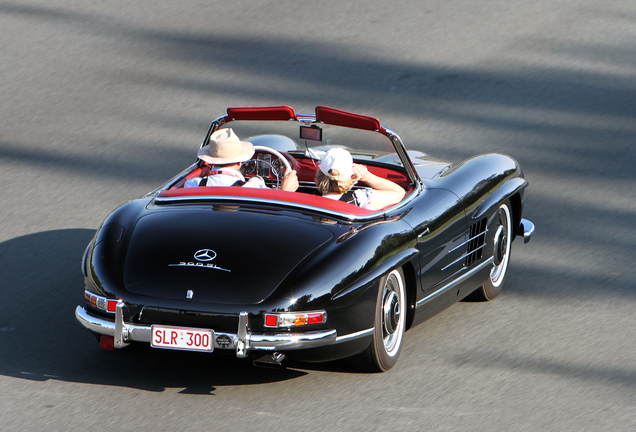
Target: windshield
point(313, 140)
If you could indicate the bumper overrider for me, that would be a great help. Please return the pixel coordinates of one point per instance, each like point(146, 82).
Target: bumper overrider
point(526, 229)
point(242, 341)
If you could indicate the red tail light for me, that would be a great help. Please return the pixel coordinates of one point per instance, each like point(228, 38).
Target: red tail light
point(271, 320)
point(112, 306)
point(294, 319)
point(101, 303)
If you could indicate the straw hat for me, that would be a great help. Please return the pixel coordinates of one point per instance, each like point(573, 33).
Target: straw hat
point(226, 148)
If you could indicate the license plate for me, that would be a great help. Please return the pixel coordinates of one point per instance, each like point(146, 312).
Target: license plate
point(182, 338)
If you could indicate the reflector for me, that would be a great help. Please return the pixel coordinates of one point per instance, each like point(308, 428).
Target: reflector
point(107, 343)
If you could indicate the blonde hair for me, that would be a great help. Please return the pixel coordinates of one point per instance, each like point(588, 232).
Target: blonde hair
point(338, 184)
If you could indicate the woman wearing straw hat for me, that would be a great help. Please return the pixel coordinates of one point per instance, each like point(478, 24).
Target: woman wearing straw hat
point(226, 152)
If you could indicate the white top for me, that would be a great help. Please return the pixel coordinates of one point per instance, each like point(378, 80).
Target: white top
point(222, 177)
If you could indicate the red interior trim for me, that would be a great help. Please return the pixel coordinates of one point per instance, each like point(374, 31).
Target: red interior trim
point(395, 176)
point(338, 117)
point(306, 169)
point(282, 112)
point(271, 194)
point(199, 172)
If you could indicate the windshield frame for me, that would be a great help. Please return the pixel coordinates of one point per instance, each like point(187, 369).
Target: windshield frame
point(164, 196)
point(308, 120)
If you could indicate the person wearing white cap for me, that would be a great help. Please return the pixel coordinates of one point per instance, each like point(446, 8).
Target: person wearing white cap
point(226, 152)
point(337, 174)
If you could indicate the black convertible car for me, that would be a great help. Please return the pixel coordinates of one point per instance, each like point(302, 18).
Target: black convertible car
point(268, 273)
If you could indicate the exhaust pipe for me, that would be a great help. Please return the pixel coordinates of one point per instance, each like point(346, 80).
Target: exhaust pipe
point(271, 361)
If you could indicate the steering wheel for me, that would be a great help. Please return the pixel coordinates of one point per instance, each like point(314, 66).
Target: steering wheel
point(276, 153)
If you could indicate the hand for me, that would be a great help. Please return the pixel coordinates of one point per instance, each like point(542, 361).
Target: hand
point(290, 181)
point(360, 172)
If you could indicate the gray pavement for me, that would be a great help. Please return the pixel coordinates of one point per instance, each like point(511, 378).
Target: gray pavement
point(101, 102)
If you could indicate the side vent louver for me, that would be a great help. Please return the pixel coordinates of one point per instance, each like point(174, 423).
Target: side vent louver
point(477, 242)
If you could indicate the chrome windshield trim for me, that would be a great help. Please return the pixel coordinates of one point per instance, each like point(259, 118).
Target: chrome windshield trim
point(172, 181)
point(306, 118)
point(400, 149)
point(213, 127)
point(393, 137)
point(355, 335)
point(454, 282)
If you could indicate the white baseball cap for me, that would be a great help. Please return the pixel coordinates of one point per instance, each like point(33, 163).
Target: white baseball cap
point(337, 159)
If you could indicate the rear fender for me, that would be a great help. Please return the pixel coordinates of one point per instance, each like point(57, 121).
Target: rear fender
point(398, 260)
point(504, 192)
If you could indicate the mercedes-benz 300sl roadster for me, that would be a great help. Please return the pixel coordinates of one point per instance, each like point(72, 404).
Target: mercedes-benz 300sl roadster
point(266, 273)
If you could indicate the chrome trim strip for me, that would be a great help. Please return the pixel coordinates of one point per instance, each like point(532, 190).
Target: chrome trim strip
point(466, 254)
point(426, 231)
point(222, 199)
point(252, 341)
point(528, 230)
point(269, 201)
point(355, 335)
point(291, 341)
point(455, 282)
point(468, 241)
point(250, 200)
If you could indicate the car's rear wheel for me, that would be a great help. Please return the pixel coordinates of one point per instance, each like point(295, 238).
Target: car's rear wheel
point(501, 254)
point(390, 324)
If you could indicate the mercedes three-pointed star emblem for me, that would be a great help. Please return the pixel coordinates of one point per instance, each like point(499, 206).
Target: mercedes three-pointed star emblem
point(205, 255)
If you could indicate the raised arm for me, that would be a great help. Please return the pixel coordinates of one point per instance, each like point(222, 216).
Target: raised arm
point(385, 192)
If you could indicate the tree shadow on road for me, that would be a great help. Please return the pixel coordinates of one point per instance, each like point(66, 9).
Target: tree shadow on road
point(42, 284)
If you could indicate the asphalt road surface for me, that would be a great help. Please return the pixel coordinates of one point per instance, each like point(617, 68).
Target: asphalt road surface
point(101, 102)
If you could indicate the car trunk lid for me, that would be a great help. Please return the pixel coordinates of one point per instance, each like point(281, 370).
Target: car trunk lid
point(220, 255)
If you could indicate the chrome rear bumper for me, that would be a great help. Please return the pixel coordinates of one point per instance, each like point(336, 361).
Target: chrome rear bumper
point(243, 341)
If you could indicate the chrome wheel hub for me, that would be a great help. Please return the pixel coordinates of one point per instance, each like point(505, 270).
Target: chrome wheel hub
point(393, 314)
point(501, 246)
point(391, 311)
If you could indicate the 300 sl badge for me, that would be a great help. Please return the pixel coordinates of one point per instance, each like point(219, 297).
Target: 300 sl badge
point(201, 255)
